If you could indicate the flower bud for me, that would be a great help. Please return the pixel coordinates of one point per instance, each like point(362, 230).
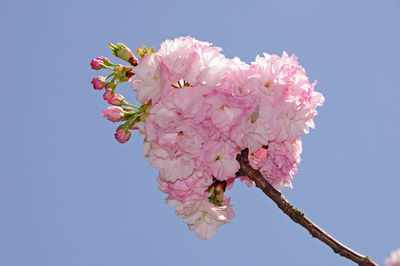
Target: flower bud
point(100, 62)
point(99, 83)
point(105, 60)
point(121, 51)
point(117, 99)
point(114, 113)
point(95, 64)
point(122, 134)
point(107, 95)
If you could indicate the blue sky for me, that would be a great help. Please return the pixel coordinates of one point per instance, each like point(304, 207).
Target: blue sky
point(71, 195)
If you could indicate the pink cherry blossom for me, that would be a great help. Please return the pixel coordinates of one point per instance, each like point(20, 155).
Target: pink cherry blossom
point(192, 188)
point(213, 66)
point(224, 112)
point(201, 216)
point(394, 259)
point(246, 180)
point(149, 78)
point(220, 158)
point(277, 162)
point(171, 164)
point(178, 55)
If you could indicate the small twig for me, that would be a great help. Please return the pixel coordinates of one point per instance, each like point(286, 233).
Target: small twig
point(296, 215)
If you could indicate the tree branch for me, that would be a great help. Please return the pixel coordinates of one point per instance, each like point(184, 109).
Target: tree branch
point(296, 215)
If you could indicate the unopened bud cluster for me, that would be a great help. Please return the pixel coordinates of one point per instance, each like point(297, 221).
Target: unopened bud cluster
point(120, 110)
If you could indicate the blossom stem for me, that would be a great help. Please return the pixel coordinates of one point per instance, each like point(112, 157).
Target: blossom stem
point(131, 105)
point(104, 66)
point(110, 76)
point(132, 113)
point(296, 215)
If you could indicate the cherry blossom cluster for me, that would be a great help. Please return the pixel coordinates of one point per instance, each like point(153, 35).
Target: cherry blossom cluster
point(394, 259)
point(200, 109)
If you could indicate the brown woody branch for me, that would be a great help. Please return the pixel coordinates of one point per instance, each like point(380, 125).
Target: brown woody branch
point(296, 215)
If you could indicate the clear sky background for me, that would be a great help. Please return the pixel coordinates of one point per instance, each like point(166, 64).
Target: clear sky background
point(70, 195)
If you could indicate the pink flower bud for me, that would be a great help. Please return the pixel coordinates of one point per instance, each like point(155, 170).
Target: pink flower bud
point(114, 113)
point(99, 83)
point(96, 64)
point(100, 62)
point(107, 95)
point(122, 134)
point(117, 99)
point(104, 60)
